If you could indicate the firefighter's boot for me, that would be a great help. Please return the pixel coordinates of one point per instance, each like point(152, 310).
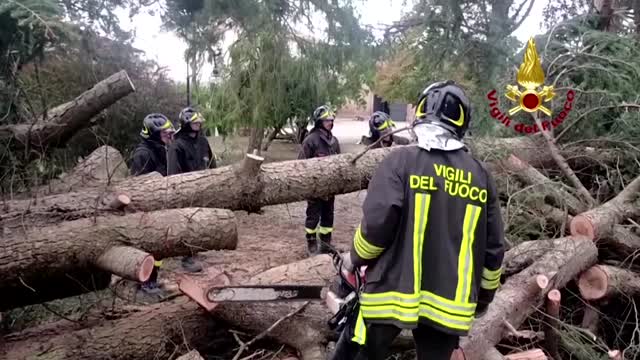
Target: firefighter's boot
point(325, 244)
point(312, 244)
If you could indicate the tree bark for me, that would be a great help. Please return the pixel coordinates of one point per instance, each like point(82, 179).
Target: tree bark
point(157, 328)
point(598, 223)
point(526, 253)
point(533, 354)
point(100, 169)
point(517, 299)
point(154, 331)
point(555, 191)
point(40, 257)
point(603, 281)
point(622, 242)
point(127, 262)
point(552, 323)
point(276, 183)
point(65, 120)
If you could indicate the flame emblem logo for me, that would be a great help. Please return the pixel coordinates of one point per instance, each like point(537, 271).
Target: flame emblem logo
point(531, 77)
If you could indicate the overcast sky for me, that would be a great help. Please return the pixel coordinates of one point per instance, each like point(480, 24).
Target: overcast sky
point(168, 50)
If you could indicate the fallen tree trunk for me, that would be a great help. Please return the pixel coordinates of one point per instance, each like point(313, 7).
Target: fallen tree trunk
point(103, 167)
point(598, 223)
point(248, 185)
point(526, 253)
point(154, 331)
point(559, 196)
point(39, 257)
point(159, 327)
point(603, 281)
point(65, 120)
point(517, 298)
point(127, 262)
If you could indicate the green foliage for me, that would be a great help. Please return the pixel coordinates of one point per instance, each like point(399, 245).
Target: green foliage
point(27, 27)
point(274, 73)
point(604, 69)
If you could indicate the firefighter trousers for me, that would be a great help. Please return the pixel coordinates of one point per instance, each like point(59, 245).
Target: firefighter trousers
point(431, 344)
point(319, 211)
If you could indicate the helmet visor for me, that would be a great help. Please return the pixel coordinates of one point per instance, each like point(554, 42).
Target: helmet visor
point(196, 118)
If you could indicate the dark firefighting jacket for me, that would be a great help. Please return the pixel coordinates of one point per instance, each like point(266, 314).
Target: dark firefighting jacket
point(190, 153)
point(432, 237)
point(149, 156)
point(318, 143)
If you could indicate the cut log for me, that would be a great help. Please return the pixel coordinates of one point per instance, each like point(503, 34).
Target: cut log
point(230, 187)
point(227, 187)
point(552, 323)
point(103, 167)
point(534, 354)
point(517, 299)
point(603, 281)
point(65, 120)
point(160, 327)
point(598, 223)
point(39, 256)
point(555, 191)
point(127, 262)
point(157, 330)
point(526, 253)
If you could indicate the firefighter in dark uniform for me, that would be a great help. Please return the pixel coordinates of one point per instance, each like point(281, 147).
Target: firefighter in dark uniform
point(191, 148)
point(190, 152)
point(151, 155)
point(431, 236)
point(320, 142)
point(380, 125)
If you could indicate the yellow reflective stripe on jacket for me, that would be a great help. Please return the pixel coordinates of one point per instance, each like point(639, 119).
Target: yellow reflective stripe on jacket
point(408, 313)
point(360, 330)
point(412, 300)
point(490, 279)
point(465, 257)
point(364, 249)
point(325, 230)
point(157, 263)
point(420, 217)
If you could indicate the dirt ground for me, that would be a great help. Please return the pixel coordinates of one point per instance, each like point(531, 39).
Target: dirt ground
point(267, 231)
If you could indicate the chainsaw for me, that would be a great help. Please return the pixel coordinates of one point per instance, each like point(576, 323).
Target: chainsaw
point(217, 289)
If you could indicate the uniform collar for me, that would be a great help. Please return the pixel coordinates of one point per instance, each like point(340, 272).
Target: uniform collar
point(431, 136)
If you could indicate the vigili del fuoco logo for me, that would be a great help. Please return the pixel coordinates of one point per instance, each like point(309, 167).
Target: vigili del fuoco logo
point(530, 99)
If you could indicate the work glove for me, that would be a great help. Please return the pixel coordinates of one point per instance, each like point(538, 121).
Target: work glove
point(345, 281)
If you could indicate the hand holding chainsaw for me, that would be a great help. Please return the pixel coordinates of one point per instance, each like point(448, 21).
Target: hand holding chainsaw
point(346, 281)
